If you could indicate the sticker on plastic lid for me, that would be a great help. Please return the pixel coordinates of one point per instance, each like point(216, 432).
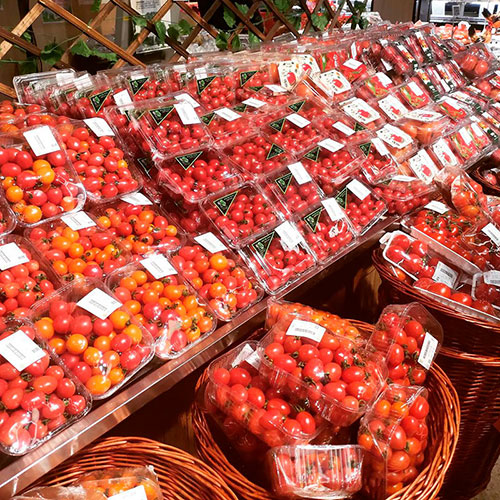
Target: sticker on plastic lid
point(394, 136)
point(423, 167)
point(99, 126)
point(210, 242)
point(466, 136)
point(64, 77)
point(444, 153)
point(403, 178)
point(298, 120)
point(331, 145)
point(437, 206)
point(445, 274)
point(489, 230)
point(186, 113)
point(380, 146)
point(249, 355)
point(11, 255)
point(228, 114)
point(137, 493)
point(477, 129)
point(275, 88)
point(136, 199)
point(392, 107)
point(428, 350)
point(158, 266)
point(77, 221)
point(333, 209)
point(41, 140)
point(358, 189)
point(361, 111)
point(98, 303)
point(342, 127)
point(492, 277)
point(289, 235)
point(82, 82)
point(415, 88)
point(20, 351)
point(425, 116)
point(352, 64)
point(335, 81)
point(187, 98)
point(121, 98)
point(300, 174)
point(307, 329)
point(254, 103)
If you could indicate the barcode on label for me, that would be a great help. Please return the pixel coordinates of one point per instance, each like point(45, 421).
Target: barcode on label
point(98, 303)
point(428, 350)
point(493, 232)
point(301, 328)
point(444, 274)
point(492, 278)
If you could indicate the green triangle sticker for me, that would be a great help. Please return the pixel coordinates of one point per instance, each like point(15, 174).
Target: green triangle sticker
point(146, 166)
point(312, 219)
point(185, 161)
point(278, 124)
point(203, 83)
point(261, 246)
point(256, 89)
point(160, 114)
point(224, 203)
point(240, 107)
point(136, 85)
point(358, 127)
point(366, 148)
point(297, 106)
point(245, 76)
point(97, 100)
point(207, 119)
point(341, 198)
point(283, 182)
point(274, 151)
point(313, 154)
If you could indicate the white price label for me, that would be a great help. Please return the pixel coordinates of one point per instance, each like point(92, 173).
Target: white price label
point(99, 126)
point(477, 129)
point(41, 140)
point(248, 355)
point(380, 146)
point(289, 234)
point(423, 167)
point(187, 98)
point(445, 274)
point(137, 493)
point(354, 49)
point(415, 88)
point(489, 230)
point(228, 114)
point(200, 73)
point(361, 111)
point(11, 255)
point(136, 199)
point(444, 153)
point(335, 81)
point(77, 221)
point(453, 103)
point(358, 189)
point(333, 209)
point(307, 329)
point(210, 242)
point(383, 79)
point(121, 98)
point(186, 113)
point(276, 88)
point(492, 278)
point(298, 120)
point(158, 266)
point(300, 174)
point(466, 136)
point(83, 82)
point(428, 350)
point(424, 115)
point(331, 145)
point(98, 303)
point(394, 136)
point(352, 64)
point(253, 103)
point(437, 206)
point(387, 65)
point(403, 178)
point(393, 107)
point(63, 77)
point(20, 351)
point(342, 127)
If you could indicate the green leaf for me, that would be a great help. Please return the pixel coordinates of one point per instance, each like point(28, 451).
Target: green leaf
point(28, 66)
point(282, 5)
point(236, 43)
point(229, 17)
point(95, 6)
point(51, 53)
point(221, 40)
point(139, 21)
point(161, 31)
point(81, 49)
point(253, 39)
point(242, 8)
point(107, 56)
point(320, 22)
point(173, 32)
point(184, 27)
point(26, 36)
point(294, 20)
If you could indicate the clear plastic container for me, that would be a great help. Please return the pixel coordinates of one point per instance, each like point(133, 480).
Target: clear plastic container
point(420, 165)
point(398, 142)
point(426, 125)
point(341, 128)
point(362, 113)
point(354, 70)
point(164, 303)
point(339, 390)
point(443, 154)
point(143, 83)
point(394, 436)
point(376, 86)
point(407, 337)
point(483, 243)
point(86, 306)
point(378, 164)
point(309, 471)
point(60, 493)
point(11, 111)
point(28, 87)
point(439, 48)
point(310, 108)
point(486, 286)
point(7, 218)
point(363, 207)
point(37, 178)
point(91, 98)
point(476, 61)
point(30, 120)
point(432, 81)
point(241, 213)
point(40, 397)
point(227, 126)
point(327, 230)
point(489, 125)
point(472, 97)
point(218, 275)
point(100, 159)
point(454, 109)
point(118, 118)
point(280, 257)
point(414, 94)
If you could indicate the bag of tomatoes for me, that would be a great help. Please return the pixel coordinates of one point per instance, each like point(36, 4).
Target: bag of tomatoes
point(39, 396)
point(98, 339)
point(60, 493)
point(139, 482)
point(312, 471)
point(163, 303)
point(394, 435)
point(37, 178)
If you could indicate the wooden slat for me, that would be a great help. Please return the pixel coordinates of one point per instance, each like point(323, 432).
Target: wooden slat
point(241, 26)
point(244, 19)
point(197, 18)
point(270, 5)
point(8, 91)
point(318, 5)
point(22, 26)
point(307, 12)
point(335, 19)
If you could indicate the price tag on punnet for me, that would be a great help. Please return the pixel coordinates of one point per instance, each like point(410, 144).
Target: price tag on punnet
point(158, 266)
point(289, 235)
point(307, 329)
point(20, 351)
point(98, 303)
point(445, 274)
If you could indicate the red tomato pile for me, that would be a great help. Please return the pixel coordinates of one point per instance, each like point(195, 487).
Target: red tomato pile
point(227, 128)
point(293, 132)
point(213, 91)
point(377, 167)
point(484, 289)
point(403, 196)
point(11, 110)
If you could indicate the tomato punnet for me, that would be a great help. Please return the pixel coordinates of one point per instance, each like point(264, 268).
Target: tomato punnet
point(212, 90)
point(375, 166)
point(226, 125)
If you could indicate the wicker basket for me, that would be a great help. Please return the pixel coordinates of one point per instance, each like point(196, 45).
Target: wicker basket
point(444, 421)
point(478, 175)
point(181, 476)
point(471, 358)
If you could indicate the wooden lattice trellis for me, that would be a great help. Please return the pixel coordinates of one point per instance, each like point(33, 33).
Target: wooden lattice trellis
point(280, 24)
